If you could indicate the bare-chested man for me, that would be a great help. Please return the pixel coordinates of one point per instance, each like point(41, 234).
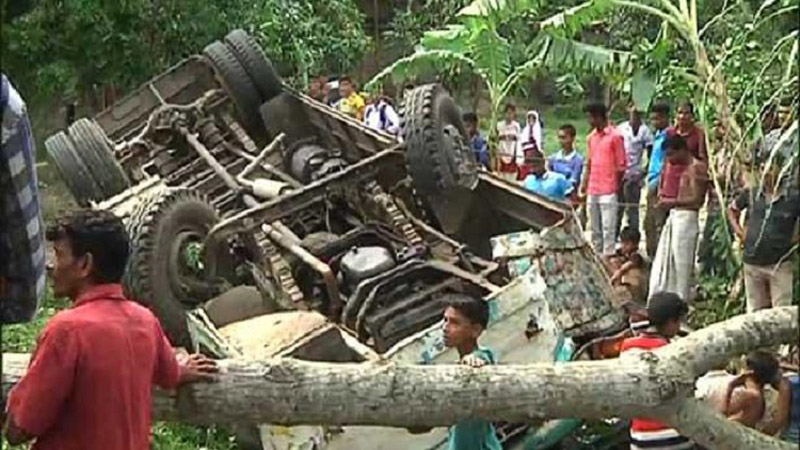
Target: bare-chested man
point(682, 191)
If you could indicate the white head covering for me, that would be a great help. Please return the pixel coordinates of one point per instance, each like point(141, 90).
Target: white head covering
point(532, 131)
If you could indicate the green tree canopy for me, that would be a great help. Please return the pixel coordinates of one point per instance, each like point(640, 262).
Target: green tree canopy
point(67, 49)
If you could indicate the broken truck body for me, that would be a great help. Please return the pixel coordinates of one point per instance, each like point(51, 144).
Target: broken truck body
point(230, 182)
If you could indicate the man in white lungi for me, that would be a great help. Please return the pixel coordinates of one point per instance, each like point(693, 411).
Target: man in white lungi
point(682, 190)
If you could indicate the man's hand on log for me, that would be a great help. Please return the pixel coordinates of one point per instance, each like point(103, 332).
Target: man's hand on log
point(197, 368)
point(473, 361)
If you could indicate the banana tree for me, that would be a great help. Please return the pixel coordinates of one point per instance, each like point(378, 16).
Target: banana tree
point(681, 16)
point(476, 44)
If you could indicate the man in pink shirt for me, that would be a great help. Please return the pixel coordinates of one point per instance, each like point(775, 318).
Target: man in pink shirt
point(605, 165)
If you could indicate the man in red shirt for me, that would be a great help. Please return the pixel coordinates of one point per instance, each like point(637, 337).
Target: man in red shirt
point(605, 164)
point(89, 382)
point(694, 136)
point(665, 310)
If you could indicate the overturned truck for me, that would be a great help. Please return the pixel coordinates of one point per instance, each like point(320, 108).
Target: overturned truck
point(264, 223)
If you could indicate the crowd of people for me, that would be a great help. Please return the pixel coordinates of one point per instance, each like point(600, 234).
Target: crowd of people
point(376, 111)
point(669, 160)
point(107, 346)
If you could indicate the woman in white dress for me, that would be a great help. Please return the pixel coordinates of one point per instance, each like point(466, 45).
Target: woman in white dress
point(532, 133)
point(508, 131)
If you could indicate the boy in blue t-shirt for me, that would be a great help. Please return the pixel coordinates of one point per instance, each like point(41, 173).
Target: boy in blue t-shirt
point(465, 318)
point(545, 182)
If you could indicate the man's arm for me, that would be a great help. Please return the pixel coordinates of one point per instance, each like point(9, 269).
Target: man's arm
point(745, 406)
point(701, 146)
point(624, 268)
point(781, 419)
point(621, 156)
point(745, 409)
point(661, 180)
point(172, 371)
point(648, 143)
point(37, 400)
point(734, 215)
point(587, 170)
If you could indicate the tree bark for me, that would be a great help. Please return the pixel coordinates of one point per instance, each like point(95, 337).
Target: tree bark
point(655, 384)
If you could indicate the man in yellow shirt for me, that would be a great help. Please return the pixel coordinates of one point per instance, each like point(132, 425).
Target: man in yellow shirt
point(351, 103)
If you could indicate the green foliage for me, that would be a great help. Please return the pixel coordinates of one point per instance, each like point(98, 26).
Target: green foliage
point(76, 48)
point(409, 25)
point(718, 303)
point(505, 42)
point(305, 38)
point(171, 436)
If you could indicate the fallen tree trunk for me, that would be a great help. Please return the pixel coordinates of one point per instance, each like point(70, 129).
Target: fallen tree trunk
point(657, 384)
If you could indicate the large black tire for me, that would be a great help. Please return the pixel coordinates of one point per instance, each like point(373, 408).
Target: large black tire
point(437, 151)
point(255, 63)
point(71, 168)
point(238, 85)
point(98, 156)
point(159, 226)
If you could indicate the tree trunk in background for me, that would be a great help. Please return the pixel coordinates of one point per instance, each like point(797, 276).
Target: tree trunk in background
point(658, 384)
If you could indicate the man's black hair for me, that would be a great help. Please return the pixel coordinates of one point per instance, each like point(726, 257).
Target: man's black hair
point(568, 128)
point(476, 310)
point(665, 306)
point(660, 108)
point(630, 234)
point(345, 78)
point(688, 105)
point(510, 107)
point(764, 366)
point(675, 143)
point(596, 109)
point(470, 117)
point(98, 232)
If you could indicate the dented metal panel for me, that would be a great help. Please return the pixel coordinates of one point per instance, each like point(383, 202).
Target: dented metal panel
point(571, 278)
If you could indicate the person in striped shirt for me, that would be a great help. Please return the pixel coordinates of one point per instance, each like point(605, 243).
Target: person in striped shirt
point(665, 311)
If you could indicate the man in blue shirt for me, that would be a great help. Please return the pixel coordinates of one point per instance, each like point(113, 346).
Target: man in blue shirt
point(477, 142)
point(567, 161)
point(654, 217)
point(465, 318)
point(544, 182)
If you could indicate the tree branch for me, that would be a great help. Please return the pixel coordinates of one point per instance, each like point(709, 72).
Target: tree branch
point(660, 383)
point(712, 430)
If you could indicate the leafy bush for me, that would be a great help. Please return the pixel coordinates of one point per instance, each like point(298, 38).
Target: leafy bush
point(80, 48)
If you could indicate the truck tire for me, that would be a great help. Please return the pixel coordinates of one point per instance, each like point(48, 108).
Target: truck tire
point(437, 150)
point(161, 226)
point(98, 156)
point(255, 63)
point(238, 85)
point(72, 169)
